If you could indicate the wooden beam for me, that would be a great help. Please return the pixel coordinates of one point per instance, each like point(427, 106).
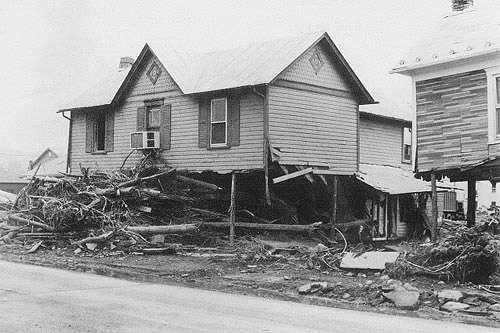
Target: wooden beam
point(331, 172)
point(263, 226)
point(292, 175)
point(471, 203)
point(333, 218)
point(434, 209)
point(232, 209)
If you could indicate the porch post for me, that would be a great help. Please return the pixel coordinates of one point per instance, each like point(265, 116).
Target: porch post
point(434, 223)
point(232, 208)
point(471, 203)
point(333, 218)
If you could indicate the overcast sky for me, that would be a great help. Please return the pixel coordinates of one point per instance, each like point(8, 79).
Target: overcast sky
point(51, 50)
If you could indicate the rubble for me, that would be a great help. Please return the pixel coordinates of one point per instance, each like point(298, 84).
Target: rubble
point(454, 306)
point(450, 295)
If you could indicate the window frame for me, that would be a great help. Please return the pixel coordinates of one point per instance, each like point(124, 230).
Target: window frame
point(403, 159)
point(225, 143)
point(493, 105)
point(97, 119)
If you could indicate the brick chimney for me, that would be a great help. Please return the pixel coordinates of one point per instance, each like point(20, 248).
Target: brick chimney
point(461, 5)
point(125, 62)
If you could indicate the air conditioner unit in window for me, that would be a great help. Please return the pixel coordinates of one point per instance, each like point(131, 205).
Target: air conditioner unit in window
point(145, 140)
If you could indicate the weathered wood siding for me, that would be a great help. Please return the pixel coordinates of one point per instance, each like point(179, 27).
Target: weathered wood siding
point(313, 117)
point(184, 152)
point(313, 128)
point(452, 121)
point(381, 142)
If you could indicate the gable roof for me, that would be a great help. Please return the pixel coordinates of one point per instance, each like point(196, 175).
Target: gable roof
point(249, 65)
point(457, 36)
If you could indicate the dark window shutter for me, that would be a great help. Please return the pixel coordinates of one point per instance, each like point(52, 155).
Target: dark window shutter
point(109, 138)
point(89, 132)
point(203, 123)
point(141, 118)
point(233, 126)
point(165, 126)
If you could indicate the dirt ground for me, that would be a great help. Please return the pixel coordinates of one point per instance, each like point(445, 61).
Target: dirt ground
point(223, 270)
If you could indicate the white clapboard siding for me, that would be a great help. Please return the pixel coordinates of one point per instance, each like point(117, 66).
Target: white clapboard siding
point(184, 152)
point(313, 128)
point(381, 142)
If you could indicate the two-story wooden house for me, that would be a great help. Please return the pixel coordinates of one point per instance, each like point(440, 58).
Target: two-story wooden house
point(222, 111)
point(456, 83)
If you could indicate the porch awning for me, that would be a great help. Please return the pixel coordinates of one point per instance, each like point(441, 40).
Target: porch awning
point(394, 180)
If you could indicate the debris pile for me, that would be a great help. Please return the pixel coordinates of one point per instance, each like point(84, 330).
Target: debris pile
point(123, 206)
point(468, 255)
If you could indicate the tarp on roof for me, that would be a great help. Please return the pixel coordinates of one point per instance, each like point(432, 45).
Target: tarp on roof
point(456, 36)
point(393, 180)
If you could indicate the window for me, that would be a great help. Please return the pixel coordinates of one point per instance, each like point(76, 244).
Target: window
point(100, 131)
point(218, 122)
point(493, 77)
point(497, 105)
point(153, 118)
point(406, 145)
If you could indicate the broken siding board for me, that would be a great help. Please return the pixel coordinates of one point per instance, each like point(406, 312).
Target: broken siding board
point(381, 143)
point(313, 129)
point(292, 175)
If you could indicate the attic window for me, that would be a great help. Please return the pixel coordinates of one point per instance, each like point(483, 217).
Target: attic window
point(154, 73)
point(316, 61)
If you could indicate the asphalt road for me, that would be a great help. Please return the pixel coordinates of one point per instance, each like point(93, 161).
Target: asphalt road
point(38, 299)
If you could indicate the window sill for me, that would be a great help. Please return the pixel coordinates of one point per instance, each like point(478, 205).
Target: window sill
point(99, 152)
point(495, 142)
point(215, 147)
point(406, 162)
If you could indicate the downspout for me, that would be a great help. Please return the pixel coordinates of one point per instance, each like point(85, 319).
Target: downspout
point(265, 98)
point(69, 141)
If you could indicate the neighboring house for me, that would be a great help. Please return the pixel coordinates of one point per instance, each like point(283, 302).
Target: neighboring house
point(456, 82)
point(222, 111)
point(47, 155)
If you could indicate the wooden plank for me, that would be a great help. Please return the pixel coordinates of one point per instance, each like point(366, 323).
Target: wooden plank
point(471, 203)
point(292, 175)
point(331, 172)
point(263, 226)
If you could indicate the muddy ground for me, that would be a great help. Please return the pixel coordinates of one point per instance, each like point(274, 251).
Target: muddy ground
point(225, 271)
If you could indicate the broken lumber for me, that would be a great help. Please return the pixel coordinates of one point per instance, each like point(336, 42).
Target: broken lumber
point(35, 247)
point(264, 226)
point(18, 219)
point(95, 239)
point(197, 182)
point(163, 229)
point(292, 175)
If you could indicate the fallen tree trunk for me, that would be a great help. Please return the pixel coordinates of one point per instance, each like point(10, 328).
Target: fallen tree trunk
point(163, 229)
point(264, 226)
point(129, 183)
point(18, 219)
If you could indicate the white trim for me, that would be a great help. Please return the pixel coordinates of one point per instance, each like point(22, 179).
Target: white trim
point(455, 67)
point(492, 74)
point(225, 143)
